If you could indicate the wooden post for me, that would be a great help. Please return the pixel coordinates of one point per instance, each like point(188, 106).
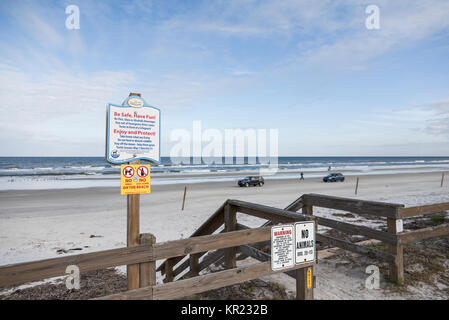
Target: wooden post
point(304, 283)
point(133, 235)
point(194, 264)
point(147, 275)
point(356, 185)
point(169, 264)
point(442, 180)
point(396, 268)
point(304, 276)
point(184, 198)
point(230, 225)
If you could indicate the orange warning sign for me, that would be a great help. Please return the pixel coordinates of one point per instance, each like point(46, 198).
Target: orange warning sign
point(135, 179)
point(309, 278)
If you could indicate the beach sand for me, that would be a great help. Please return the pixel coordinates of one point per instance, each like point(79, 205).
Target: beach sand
point(41, 224)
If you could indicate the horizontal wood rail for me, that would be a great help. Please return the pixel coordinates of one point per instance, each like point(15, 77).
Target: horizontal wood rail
point(294, 206)
point(279, 215)
point(265, 212)
point(345, 245)
point(423, 210)
point(255, 253)
point(38, 270)
point(358, 230)
point(425, 233)
point(235, 242)
point(182, 288)
point(212, 224)
point(20, 273)
point(216, 256)
point(199, 244)
point(362, 207)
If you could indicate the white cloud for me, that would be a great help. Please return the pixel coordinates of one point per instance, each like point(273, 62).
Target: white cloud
point(402, 24)
point(439, 124)
point(432, 119)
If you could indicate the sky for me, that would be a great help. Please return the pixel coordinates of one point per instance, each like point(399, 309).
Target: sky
point(309, 68)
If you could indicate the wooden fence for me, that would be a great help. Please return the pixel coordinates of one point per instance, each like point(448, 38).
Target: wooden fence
point(393, 236)
point(208, 245)
point(228, 242)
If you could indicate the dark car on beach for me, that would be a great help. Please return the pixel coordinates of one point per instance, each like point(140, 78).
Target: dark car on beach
point(334, 177)
point(251, 181)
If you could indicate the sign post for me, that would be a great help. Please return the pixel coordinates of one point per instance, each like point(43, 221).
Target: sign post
point(293, 245)
point(133, 235)
point(133, 134)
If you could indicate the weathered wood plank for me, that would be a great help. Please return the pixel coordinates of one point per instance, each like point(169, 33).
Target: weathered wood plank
point(181, 267)
point(345, 245)
point(261, 256)
point(212, 258)
point(169, 270)
point(338, 243)
point(255, 253)
point(214, 222)
point(199, 244)
point(194, 264)
point(422, 210)
point(353, 205)
point(230, 225)
point(20, 273)
point(147, 276)
point(304, 285)
point(396, 267)
point(200, 284)
point(294, 206)
point(215, 256)
point(215, 280)
point(186, 264)
point(425, 233)
point(359, 230)
point(269, 213)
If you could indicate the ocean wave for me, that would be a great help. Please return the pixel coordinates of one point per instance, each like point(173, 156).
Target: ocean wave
point(97, 167)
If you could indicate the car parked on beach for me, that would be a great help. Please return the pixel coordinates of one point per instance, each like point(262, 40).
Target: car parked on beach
point(251, 181)
point(334, 177)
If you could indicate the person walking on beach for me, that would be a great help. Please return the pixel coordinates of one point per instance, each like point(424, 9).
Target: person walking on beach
point(302, 176)
point(329, 169)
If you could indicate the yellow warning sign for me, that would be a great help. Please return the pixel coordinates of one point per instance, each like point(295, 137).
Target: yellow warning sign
point(309, 278)
point(135, 179)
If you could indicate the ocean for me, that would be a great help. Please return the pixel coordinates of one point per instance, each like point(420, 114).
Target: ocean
point(79, 172)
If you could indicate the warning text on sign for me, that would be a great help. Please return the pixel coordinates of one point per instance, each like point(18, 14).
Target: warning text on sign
point(135, 179)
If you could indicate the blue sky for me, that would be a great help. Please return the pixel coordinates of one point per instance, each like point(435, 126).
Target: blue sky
point(308, 68)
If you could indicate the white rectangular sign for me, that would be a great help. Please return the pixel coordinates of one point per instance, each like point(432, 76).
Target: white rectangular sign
point(282, 243)
point(133, 132)
point(304, 242)
point(399, 225)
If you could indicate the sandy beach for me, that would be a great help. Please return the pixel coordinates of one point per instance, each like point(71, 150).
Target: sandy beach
point(41, 224)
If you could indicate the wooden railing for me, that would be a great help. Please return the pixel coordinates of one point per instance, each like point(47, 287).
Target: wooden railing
point(393, 237)
point(207, 245)
point(148, 252)
point(217, 257)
